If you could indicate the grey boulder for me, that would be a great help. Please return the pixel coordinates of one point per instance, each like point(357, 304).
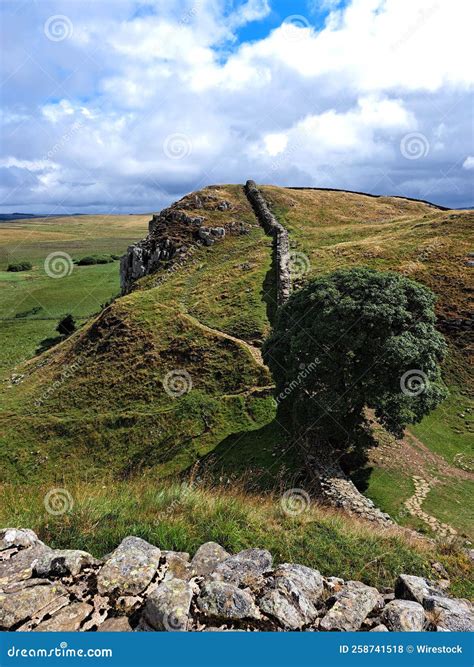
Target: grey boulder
point(454, 615)
point(404, 616)
point(207, 558)
point(354, 603)
point(226, 602)
point(245, 568)
point(61, 562)
point(167, 607)
point(130, 568)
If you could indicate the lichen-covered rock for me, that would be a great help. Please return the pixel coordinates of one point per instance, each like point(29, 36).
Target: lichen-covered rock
point(293, 591)
point(18, 537)
point(244, 568)
point(130, 568)
point(115, 624)
point(450, 614)
point(380, 628)
point(60, 562)
point(26, 602)
point(222, 601)
point(167, 607)
point(404, 616)
point(68, 619)
point(409, 587)
point(354, 603)
point(307, 581)
point(20, 565)
point(177, 566)
point(207, 558)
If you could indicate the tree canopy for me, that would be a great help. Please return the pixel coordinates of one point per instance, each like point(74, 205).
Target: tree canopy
point(352, 340)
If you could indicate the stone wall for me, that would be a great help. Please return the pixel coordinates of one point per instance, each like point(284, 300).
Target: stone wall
point(281, 239)
point(142, 588)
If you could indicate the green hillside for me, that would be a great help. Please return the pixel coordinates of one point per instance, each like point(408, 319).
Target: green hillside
point(96, 406)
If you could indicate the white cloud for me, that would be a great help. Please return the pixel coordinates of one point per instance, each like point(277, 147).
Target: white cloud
point(302, 106)
point(468, 163)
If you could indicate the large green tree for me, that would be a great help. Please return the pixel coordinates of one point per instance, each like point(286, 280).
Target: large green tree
point(352, 340)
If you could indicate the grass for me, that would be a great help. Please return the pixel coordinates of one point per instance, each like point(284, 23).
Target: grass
point(81, 293)
point(95, 405)
point(183, 516)
point(99, 399)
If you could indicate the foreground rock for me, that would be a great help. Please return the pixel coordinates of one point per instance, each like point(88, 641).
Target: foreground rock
point(141, 588)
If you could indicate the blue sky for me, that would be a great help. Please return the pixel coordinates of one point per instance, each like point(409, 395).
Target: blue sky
point(125, 105)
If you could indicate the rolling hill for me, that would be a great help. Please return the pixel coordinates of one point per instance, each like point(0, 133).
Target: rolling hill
point(169, 375)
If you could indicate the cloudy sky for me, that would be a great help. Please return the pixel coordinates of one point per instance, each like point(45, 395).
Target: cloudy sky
point(125, 105)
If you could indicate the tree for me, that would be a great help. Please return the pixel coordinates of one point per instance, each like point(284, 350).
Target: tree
point(352, 340)
point(66, 326)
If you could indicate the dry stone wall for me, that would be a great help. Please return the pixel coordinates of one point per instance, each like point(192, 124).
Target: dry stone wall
point(281, 239)
point(142, 588)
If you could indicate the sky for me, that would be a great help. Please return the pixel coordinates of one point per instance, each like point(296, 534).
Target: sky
point(118, 106)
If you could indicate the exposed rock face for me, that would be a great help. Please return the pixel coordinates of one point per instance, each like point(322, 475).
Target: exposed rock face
point(281, 238)
point(141, 588)
point(172, 236)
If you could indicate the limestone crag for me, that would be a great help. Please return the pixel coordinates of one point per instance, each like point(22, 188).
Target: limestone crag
point(141, 588)
point(172, 234)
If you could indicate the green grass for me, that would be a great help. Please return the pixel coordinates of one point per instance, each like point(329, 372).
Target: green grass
point(81, 293)
point(448, 433)
point(99, 400)
point(183, 516)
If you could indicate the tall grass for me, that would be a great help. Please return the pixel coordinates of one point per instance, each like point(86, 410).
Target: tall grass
point(183, 516)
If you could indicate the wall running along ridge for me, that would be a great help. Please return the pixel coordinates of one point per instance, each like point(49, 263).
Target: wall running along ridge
point(330, 482)
point(282, 243)
point(142, 588)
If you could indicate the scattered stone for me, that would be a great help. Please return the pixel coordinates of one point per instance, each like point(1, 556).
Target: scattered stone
point(207, 558)
point(68, 619)
point(223, 601)
point(60, 562)
point(354, 603)
point(27, 602)
point(451, 614)
point(130, 568)
point(18, 537)
point(380, 628)
point(115, 624)
point(20, 566)
point(404, 616)
point(167, 608)
point(245, 568)
point(295, 588)
point(178, 566)
point(410, 587)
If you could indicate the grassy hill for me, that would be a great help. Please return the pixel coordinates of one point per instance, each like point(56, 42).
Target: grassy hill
point(32, 301)
point(95, 409)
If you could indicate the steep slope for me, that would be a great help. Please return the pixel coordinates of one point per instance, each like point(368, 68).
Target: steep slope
point(97, 403)
point(161, 376)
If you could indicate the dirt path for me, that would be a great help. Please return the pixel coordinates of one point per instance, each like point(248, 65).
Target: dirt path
point(254, 351)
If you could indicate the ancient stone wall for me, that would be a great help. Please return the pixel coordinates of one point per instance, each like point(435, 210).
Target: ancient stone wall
point(142, 588)
point(281, 239)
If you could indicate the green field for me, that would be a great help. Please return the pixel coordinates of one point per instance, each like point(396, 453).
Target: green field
point(32, 301)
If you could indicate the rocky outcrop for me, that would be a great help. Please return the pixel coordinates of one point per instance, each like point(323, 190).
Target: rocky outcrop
point(141, 588)
point(172, 237)
point(281, 239)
